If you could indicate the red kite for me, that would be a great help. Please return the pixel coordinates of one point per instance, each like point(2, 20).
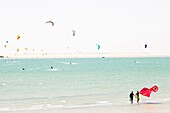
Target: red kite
point(146, 92)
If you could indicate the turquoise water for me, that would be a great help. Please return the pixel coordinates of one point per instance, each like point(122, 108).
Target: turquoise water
point(80, 82)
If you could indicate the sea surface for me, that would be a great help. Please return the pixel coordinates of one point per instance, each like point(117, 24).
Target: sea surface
point(27, 84)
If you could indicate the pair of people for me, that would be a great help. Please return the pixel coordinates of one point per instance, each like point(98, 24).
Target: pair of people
point(136, 95)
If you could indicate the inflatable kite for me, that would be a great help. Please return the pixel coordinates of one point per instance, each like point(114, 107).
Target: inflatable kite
point(146, 91)
point(98, 46)
point(18, 37)
point(52, 23)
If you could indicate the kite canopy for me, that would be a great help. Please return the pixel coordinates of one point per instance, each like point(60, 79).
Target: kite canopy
point(18, 37)
point(52, 23)
point(98, 46)
point(5, 46)
point(26, 49)
point(17, 49)
point(146, 92)
point(154, 88)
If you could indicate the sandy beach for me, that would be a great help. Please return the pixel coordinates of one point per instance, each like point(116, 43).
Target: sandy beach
point(135, 108)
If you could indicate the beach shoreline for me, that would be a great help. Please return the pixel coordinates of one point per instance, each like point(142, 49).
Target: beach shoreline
point(134, 108)
point(85, 55)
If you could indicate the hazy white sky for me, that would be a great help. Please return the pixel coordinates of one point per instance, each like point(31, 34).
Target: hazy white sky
point(117, 25)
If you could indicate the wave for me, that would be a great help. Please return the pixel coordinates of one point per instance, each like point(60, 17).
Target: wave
point(137, 62)
point(71, 63)
point(59, 106)
point(51, 97)
point(54, 69)
point(88, 105)
point(3, 84)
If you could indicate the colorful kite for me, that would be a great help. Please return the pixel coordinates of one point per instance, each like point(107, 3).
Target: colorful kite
point(18, 37)
point(146, 92)
point(98, 46)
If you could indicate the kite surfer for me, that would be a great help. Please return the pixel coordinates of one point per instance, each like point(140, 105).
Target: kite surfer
point(137, 96)
point(131, 97)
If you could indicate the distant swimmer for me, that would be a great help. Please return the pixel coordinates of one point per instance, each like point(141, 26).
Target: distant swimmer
point(23, 68)
point(51, 67)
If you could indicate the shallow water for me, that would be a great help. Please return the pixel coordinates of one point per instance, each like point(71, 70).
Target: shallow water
point(80, 82)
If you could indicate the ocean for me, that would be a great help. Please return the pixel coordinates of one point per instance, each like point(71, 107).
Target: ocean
point(71, 83)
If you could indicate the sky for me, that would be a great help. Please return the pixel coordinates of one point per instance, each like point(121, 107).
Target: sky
point(116, 25)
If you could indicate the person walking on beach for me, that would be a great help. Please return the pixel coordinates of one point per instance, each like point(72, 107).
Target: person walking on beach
point(137, 96)
point(131, 97)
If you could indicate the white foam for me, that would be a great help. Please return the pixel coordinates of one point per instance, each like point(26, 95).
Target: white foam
point(97, 104)
point(53, 106)
point(4, 109)
point(40, 83)
point(3, 84)
point(37, 106)
point(73, 63)
point(140, 62)
point(102, 102)
point(54, 69)
point(63, 101)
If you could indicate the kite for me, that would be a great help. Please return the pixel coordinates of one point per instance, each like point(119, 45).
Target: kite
point(17, 50)
point(98, 46)
point(52, 23)
point(26, 49)
point(18, 37)
point(5, 46)
point(146, 91)
point(154, 88)
point(74, 32)
point(146, 45)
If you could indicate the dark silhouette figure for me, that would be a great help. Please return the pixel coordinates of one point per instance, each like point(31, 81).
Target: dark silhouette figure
point(131, 97)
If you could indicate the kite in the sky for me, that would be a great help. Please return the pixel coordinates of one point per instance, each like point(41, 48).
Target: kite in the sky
point(17, 49)
point(74, 32)
point(5, 46)
point(18, 37)
point(146, 45)
point(98, 46)
point(26, 49)
point(52, 23)
point(146, 91)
